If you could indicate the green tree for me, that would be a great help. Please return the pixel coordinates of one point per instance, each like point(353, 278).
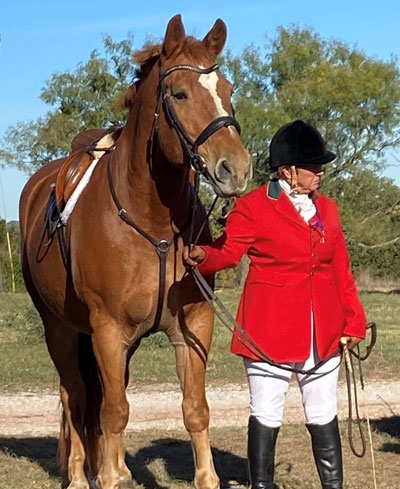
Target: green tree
point(353, 99)
point(370, 211)
point(85, 98)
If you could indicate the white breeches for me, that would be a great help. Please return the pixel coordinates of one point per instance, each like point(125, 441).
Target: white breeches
point(269, 385)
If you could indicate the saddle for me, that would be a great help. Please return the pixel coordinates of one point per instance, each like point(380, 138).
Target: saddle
point(86, 147)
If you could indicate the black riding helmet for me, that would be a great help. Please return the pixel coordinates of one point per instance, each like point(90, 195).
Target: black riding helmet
point(298, 143)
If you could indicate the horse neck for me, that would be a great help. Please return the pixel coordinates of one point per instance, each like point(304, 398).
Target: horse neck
point(158, 193)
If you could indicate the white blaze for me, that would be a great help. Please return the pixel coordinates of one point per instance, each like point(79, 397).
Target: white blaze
point(209, 82)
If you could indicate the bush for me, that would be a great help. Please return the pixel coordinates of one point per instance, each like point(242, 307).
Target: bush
point(20, 316)
point(154, 341)
point(381, 262)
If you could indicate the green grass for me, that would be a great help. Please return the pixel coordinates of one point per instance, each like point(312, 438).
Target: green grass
point(384, 309)
point(164, 459)
point(26, 364)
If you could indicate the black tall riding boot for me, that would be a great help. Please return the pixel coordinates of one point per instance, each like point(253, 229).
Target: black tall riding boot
point(261, 454)
point(327, 453)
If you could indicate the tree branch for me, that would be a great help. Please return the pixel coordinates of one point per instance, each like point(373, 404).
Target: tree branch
point(380, 245)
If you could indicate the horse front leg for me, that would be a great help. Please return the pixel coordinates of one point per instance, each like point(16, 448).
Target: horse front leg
point(191, 360)
point(111, 355)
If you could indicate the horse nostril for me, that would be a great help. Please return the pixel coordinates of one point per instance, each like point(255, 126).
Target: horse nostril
point(223, 171)
point(225, 166)
point(249, 172)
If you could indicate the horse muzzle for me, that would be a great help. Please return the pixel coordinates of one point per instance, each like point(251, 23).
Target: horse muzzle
point(231, 178)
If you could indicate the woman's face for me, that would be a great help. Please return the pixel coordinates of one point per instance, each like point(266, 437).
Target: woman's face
point(309, 178)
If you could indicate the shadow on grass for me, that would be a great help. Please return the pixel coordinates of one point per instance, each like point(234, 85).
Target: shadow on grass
point(43, 451)
point(178, 461)
point(391, 426)
point(174, 453)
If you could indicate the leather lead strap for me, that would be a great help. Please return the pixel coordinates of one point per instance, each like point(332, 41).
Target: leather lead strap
point(229, 321)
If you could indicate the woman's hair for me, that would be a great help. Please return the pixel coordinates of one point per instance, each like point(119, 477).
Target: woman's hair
point(293, 175)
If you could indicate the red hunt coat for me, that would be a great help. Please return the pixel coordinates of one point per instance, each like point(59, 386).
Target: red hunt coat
point(294, 268)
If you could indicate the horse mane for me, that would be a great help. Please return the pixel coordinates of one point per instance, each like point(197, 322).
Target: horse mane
point(146, 59)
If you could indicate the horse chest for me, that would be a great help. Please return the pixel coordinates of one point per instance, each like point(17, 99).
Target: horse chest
point(139, 301)
point(140, 308)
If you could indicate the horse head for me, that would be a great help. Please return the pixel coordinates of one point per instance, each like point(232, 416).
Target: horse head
point(194, 121)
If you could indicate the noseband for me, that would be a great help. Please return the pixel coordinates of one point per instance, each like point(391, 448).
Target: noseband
point(190, 147)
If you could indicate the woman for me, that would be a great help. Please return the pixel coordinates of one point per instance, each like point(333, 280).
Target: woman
point(298, 301)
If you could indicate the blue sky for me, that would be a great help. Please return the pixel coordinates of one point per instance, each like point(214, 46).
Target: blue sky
point(41, 37)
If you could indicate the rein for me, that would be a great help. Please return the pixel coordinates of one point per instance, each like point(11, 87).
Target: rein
point(351, 379)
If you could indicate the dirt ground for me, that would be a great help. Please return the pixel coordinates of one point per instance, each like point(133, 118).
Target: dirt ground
point(37, 413)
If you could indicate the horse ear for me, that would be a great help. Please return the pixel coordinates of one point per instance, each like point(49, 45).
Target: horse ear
point(174, 35)
point(216, 38)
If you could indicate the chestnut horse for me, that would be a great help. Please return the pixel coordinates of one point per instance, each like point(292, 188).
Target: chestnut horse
point(97, 307)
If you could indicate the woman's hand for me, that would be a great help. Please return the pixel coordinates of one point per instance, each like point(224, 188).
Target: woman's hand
point(351, 341)
point(193, 257)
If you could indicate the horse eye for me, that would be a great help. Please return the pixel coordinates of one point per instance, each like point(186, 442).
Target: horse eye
point(180, 95)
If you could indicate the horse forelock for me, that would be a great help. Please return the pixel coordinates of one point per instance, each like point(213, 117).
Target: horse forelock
point(195, 52)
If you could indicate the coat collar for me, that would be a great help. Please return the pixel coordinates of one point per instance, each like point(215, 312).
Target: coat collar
point(283, 204)
point(274, 189)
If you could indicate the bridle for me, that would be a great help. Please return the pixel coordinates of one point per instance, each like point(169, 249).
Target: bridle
point(190, 146)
